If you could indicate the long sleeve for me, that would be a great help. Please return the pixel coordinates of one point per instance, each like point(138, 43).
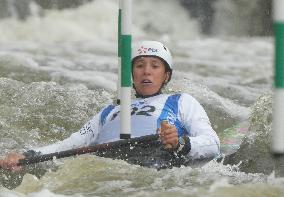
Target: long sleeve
point(84, 137)
point(204, 140)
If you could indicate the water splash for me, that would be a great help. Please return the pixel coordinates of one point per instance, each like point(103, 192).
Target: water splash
point(39, 111)
point(254, 153)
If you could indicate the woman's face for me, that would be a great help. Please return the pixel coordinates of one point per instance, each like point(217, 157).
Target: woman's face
point(149, 73)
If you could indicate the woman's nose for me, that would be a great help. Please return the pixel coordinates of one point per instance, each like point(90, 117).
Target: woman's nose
point(147, 69)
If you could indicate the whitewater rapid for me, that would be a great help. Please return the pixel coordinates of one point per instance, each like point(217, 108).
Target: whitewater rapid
point(58, 70)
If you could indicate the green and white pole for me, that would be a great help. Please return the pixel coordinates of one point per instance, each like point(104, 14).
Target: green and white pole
point(119, 53)
point(278, 114)
point(125, 115)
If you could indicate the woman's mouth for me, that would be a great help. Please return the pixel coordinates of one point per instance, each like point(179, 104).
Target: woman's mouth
point(146, 82)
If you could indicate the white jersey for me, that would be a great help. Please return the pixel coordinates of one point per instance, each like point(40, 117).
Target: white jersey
point(181, 110)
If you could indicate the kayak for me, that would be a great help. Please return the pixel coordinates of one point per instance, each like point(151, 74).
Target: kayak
point(146, 151)
point(231, 138)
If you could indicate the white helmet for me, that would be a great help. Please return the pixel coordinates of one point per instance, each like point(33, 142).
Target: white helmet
point(152, 48)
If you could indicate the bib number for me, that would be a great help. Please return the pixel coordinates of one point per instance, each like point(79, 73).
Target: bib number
point(144, 111)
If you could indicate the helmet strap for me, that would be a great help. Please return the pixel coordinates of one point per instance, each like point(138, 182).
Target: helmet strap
point(138, 95)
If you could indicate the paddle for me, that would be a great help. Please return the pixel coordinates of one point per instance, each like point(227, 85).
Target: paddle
point(120, 149)
point(117, 145)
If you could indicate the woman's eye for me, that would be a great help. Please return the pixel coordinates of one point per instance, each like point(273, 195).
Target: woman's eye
point(138, 65)
point(155, 65)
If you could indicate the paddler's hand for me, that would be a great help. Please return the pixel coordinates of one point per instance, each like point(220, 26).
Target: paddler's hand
point(10, 162)
point(168, 135)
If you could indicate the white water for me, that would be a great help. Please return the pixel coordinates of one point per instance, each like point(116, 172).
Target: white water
point(58, 70)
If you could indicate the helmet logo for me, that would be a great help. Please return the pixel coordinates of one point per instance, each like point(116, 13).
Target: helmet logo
point(144, 50)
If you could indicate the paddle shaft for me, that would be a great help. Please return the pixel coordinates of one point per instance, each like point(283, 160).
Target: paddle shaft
point(89, 149)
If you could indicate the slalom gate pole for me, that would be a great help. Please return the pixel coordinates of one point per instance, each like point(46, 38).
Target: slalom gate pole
point(119, 53)
point(278, 103)
point(278, 115)
point(125, 115)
